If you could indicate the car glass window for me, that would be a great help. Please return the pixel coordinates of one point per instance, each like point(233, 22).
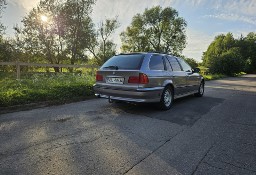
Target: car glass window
point(184, 65)
point(130, 62)
point(174, 63)
point(168, 66)
point(156, 63)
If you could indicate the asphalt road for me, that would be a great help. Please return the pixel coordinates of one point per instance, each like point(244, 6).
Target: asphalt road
point(215, 134)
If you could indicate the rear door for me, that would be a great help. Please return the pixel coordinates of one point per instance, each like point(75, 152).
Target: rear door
point(157, 73)
point(177, 75)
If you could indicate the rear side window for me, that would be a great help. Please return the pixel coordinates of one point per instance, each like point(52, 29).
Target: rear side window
point(174, 63)
point(168, 65)
point(129, 62)
point(156, 63)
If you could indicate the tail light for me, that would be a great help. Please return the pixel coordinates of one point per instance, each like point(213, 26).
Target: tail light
point(99, 77)
point(141, 79)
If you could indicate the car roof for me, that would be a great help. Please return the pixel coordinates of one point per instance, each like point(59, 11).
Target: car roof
point(144, 53)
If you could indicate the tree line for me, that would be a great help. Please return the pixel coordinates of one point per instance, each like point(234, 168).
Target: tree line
point(63, 32)
point(229, 56)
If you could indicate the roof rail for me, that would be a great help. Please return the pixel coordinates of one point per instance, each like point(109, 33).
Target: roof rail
point(158, 52)
point(129, 53)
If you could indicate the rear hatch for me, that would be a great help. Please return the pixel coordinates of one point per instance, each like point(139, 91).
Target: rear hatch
point(121, 72)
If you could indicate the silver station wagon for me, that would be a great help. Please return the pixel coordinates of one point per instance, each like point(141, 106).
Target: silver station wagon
point(147, 77)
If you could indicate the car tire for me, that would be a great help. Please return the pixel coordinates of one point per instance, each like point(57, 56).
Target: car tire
point(200, 92)
point(166, 98)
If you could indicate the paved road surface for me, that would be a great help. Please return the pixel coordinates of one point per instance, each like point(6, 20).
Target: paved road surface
point(215, 134)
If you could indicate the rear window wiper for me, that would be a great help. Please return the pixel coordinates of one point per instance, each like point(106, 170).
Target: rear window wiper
point(111, 67)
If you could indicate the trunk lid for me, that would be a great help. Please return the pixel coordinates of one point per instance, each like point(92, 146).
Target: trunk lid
point(118, 79)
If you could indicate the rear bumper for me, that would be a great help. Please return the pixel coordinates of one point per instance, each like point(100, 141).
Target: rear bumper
point(139, 95)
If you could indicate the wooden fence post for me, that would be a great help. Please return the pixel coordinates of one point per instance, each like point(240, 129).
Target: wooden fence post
point(18, 70)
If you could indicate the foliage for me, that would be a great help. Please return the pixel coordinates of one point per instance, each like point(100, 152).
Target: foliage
point(57, 31)
point(103, 47)
point(41, 88)
point(213, 76)
point(228, 63)
point(157, 29)
point(79, 27)
point(2, 7)
point(226, 55)
point(248, 51)
point(192, 62)
point(6, 50)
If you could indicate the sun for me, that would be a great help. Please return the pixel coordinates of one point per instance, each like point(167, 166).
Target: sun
point(44, 18)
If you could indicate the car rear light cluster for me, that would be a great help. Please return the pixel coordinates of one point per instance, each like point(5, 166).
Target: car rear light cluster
point(99, 77)
point(141, 79)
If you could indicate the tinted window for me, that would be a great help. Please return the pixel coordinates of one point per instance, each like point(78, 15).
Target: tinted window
point(156, 63)
point(184, 65)
point(131, 62)
point(174, 63)
point(168, 66)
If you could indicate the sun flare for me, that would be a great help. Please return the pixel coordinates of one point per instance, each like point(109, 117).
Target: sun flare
point(44, 18)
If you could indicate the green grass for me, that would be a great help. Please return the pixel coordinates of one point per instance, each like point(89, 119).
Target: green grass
point(209, 77)
point(44, 87)
point(213, 76)
point(239, 74)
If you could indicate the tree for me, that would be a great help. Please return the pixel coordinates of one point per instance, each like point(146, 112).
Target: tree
point(41, 34)
point(57, 31)
point(6, 50)
point(102, 47)
point(224, 56)
point(229, 62)
point(2, 7)
point(79, 27)
point(157, 29)
point(248, 50)
point(192, 62)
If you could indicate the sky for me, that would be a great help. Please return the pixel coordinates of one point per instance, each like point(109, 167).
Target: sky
point(205, 18)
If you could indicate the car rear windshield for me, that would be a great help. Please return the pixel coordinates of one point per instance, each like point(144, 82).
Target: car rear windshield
point(130, 62)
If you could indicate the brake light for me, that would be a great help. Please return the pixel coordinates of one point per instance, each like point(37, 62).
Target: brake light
point(99, 77)
point(141, 79)
point(134, 79)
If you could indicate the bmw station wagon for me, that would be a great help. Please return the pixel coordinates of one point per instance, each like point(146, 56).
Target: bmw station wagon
point(147, 77)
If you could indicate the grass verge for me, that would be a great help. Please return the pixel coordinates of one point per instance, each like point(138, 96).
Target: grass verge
point(209, 77)
point(40, 88)
point(213, 76)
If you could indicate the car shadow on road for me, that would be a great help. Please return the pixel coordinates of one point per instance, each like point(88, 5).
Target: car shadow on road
point(185, 111)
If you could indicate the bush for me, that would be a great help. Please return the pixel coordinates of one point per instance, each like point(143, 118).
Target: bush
point(228, 63)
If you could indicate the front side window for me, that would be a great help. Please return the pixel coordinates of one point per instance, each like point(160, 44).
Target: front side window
point(174, 63)
point(185, 65)
point(156, 63)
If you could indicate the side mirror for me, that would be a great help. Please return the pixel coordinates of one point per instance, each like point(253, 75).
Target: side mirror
point(196, 70)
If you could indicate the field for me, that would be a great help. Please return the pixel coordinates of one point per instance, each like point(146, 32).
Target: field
point(43, 87)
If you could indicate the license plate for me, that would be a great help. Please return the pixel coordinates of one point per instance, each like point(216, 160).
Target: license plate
point(115, 80)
